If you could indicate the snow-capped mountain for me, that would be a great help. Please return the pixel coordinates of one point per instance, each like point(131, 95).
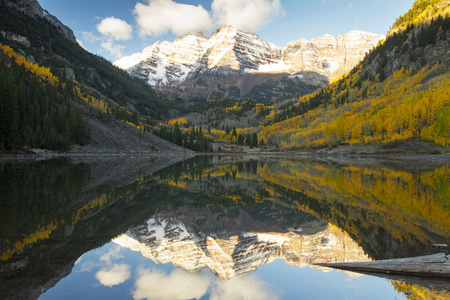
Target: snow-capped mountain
point(234, 63)
point(232, 246)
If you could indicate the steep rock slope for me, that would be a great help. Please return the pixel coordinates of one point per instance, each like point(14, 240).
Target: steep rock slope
point(233, 63)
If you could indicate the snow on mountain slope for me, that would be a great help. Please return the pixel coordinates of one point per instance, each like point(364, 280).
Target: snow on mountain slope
point(195, 65)
point(232, 248)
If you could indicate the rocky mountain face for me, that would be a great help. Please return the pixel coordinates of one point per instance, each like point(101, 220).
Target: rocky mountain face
point(231, 243)
point(235, 63)
point(34, 9)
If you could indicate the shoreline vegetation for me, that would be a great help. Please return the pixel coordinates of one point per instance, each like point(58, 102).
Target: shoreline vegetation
point(410, 149)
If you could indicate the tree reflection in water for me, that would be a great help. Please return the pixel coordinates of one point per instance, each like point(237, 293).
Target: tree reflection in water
point(226, 209)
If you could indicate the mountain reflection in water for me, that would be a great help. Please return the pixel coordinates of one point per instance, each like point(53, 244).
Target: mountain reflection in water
point(230, 215)
point(230, 242)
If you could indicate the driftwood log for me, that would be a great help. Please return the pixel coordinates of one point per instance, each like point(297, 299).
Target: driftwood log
point(435, 266)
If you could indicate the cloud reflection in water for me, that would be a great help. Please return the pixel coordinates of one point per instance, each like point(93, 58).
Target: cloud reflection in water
point(113, 274)
point(154, 284)
point(117, 274)
point(243, 287)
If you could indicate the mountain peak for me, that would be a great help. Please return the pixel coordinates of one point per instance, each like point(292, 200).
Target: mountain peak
point(34, 9)
point(195, 34)
point(233, 30)
point(227, 28)
point(238, 60)
point(238, 250)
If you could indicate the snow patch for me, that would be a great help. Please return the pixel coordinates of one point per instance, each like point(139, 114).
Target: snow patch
point(299, 76)
point(275, 67)
point(270, 238)
point(295, 230)
point(161, 229)
point(184, 72)
point(182, 232)
point(328, 241)
point(156, 229)
point(129, 61)
point(331, 66)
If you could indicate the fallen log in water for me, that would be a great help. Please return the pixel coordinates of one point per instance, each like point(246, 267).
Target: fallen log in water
point(437, 265)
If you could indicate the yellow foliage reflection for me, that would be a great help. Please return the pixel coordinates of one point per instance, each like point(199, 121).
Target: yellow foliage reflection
point(404, 202)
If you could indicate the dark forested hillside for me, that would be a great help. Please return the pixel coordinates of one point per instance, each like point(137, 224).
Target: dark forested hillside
point(57, 96)
point(40, 40)
point(39, 109)
point(34, 113)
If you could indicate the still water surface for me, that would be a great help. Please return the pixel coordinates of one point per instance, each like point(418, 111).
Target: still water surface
point(217, 227)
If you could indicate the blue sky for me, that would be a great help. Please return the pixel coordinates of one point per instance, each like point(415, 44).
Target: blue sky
point(116, 28)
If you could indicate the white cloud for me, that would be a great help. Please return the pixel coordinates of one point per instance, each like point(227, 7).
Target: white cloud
point(244, 287)
point(112, 30)
point(246, 14)
point(161, 16)
point(113, 274)
point(176, 285)
point(117, 274)
point(116, 29)
point(112, 254)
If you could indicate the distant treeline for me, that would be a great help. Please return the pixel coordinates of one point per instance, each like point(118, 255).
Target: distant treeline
point(193, 139)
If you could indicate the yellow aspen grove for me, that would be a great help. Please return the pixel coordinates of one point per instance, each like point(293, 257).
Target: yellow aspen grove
point(402, 112)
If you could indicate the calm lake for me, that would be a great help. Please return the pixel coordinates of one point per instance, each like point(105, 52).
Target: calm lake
point(218, 227)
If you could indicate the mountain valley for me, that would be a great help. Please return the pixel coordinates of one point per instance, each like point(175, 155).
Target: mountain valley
point(230, 91)
point(221, 166)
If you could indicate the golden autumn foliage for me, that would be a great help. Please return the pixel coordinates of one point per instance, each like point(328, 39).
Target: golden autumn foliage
point(216, 132)
point(404, 202)
point(404, 106)
point(41, 233)
point(180, 184)
point(179, 121)
point(83, 212)
point(103, 106)
point(42, 72)
point(417, 292)
point(260, 107)
point(422, 11)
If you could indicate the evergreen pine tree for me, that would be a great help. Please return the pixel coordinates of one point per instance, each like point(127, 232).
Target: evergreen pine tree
point(177, 136)
point(255, 140)
point(234, 133)
point(240, 139)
